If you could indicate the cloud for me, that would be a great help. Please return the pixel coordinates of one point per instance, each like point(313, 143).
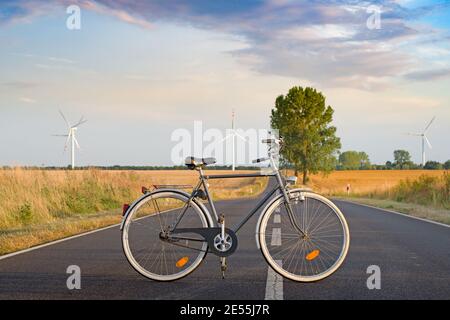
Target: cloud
point(419, 103)
point(118, 13)
point(318, 32)
point(61, 60)
point(23, 11)
point(28, 100)
point(428, 75)
point(326, 42)
point(46, 58)
point(18, 84)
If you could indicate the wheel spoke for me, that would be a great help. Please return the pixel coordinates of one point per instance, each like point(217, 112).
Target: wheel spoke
point(147, 252)
point(311, 256)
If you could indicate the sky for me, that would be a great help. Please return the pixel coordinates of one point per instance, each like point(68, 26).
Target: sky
point(140, 70)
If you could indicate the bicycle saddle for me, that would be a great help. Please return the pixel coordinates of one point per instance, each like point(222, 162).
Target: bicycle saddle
point(193, 162)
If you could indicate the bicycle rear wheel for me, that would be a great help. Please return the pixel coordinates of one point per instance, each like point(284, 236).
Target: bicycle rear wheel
point(310, 257)
point(157, 257)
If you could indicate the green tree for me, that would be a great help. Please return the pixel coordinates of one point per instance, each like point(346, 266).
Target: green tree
point(447, 165)
point(389, 165)
point(402, 159)
point(354, 160)
point(303, 120)
point(432, 165)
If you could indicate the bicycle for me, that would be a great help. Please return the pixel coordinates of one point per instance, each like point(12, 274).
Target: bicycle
point(167, 232)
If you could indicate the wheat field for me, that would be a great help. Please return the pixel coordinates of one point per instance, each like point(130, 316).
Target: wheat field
point(37, 206)
point(364, 182)
point(421, 193)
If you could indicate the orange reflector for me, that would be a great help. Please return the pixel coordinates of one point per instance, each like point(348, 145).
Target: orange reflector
point(312, 255)
point(180, 263)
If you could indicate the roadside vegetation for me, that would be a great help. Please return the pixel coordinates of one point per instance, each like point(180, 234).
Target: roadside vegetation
point(38, 206)
point(422, 193)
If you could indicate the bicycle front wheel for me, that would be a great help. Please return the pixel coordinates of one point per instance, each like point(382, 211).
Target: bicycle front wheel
point(307, 257)
point(148, 251)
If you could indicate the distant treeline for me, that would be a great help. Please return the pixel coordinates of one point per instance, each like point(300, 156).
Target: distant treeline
point(117, 167)
point(430, 165)
point(348, 160)
point(359, 160)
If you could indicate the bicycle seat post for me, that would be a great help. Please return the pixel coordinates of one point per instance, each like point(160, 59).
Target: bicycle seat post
point(204, 182)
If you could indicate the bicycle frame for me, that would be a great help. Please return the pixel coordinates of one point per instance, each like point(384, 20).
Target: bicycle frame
point(204, 182)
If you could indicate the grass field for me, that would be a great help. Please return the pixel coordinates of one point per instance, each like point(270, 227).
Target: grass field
point(364, 182)
point(38, 206)
point(422, 193)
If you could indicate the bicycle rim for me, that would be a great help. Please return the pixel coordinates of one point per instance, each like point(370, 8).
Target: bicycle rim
point(304, 258)
point(153, 257)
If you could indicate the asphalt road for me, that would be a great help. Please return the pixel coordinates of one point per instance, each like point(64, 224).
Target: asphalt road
point(413, 256)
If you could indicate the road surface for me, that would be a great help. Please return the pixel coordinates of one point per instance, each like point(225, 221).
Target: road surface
point(413, 256)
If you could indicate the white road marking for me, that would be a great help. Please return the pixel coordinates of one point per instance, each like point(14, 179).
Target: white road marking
point(276, 237)
point(274, 284)
point(277, 218)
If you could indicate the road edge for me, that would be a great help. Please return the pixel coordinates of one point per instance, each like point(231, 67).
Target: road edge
point(395, 212)
point(47, 244)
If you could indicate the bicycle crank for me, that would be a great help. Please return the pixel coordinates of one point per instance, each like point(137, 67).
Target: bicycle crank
point(221, 241)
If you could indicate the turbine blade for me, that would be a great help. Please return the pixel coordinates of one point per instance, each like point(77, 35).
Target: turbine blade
point(67, 141)
point(59, 135)
point(428, 141)
point(76, 142)
point(413, 134)
point(65, 120)
point(82, 120)
point(428, 126)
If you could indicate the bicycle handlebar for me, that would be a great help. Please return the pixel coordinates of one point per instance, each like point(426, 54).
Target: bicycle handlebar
point(260, 160)
point(278, 141)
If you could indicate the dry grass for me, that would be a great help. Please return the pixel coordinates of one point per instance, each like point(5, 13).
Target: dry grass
point(421, 193)
point(363, 182)
point(38, 206)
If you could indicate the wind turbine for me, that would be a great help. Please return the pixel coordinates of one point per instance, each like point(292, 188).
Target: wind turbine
point(71, 136)
point(233, 136)
point(424, 139)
